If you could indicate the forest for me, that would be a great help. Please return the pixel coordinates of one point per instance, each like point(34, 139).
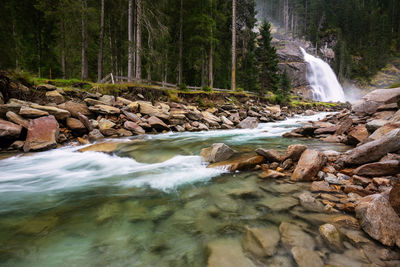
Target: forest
point(187, 41)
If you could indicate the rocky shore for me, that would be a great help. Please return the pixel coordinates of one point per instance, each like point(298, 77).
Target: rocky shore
point(348, 192)
point(44, 117)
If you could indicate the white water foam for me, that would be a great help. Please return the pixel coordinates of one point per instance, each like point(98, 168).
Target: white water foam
point(323, 80)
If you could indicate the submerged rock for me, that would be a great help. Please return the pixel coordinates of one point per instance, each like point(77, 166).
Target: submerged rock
point(306, 257)
point(293, 236)
point(239, 164)
point(216, 153)
point(261, 242)
point(379, 220)
point(226, 253)
point(103, 147)
point(331, 235)
point(309, 165)
point(42, 134)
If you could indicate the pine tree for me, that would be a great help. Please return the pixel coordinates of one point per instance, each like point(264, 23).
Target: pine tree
point(285, 85)
point(267, 60)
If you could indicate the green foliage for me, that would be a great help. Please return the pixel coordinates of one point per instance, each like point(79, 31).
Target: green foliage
point(239, 89)
point(183, 87)
point(200, 101)
point(206, 88)
point(395, 85)
point(267, 60)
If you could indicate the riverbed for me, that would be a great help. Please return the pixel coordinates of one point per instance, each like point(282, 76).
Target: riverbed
point(153, 202)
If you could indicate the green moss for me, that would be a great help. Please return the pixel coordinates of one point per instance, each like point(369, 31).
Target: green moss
point(395, 85)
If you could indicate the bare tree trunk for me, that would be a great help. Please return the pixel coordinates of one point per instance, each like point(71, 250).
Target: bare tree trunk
point(286, 15)
point(233, 78)
point(210, 67)
point(130, 40)
point(63, 57)
point(85, 72)
point(100, 58)
point(180, 63)
point(139, 40)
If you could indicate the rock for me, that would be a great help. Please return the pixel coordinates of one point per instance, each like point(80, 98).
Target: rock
point(394, 197)
point(132, 117)
point(373, 151)
point(322, 186)
point(85, 121)
point(107, 99)
point(379, 169)
point(134, 107)
point(15, 118)
point(32, 112)
point(277, 204)
point(271, 174)
point(134, 127)
point(17, 145)
point(306, 257)
point(270, 155)
point(379, 220)
point(76, 126)
point(74, 108)
point(331, 235)
point(104, 109)
point(336, 180)
point(124, 101)
point(248, 123)
point(226, 121)
point(42, 134)
point(9, 130)
point(55, 97)
point(239, 164)
point(210, 118)
point(308, 202)
point(216, 153)
point(373, 125)
point(95, 135)
point(309, 165)
point(370, 102)
point(124, 132)
point(358, 134)
point(261, 242)
point(384, 130)
point(326, 130)
point(293, 236)
point(157, 124)
point(102, 147)
point(226, 253)
point(59, 114)
point(105, 124)
point(344, 126)
point(294, 152)
point(356, 189)
point(46, 87)
point(287, 164)
point(331, 155)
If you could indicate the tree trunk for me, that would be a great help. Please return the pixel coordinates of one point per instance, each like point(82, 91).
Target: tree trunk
point(130, 40)
point(63, 58)
point(100, 58)
point(233, 78)
point(139, 40)
point(180, 63)
point(85, 72)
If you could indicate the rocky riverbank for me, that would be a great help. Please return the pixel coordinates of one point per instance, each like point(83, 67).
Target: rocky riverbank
point(358, 189)
point(44, 117)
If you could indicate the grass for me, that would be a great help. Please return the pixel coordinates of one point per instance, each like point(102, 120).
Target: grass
point(309, 104)
point(395, 85)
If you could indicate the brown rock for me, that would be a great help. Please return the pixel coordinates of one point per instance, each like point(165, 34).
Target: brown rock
point(309, 165)
point(379, 169)
point(15, 118)
point(157, 124)
point(74, 108)
point(42, 134)
point(32, 112)
point(95, 135)
point(55, 97)
point(394, 197)
point(248, 123)
point(261, 242)
point(76, 126)
point(306, 257)
point(381, 181)
point(239, 164)
point(270, 155)
point(344, 126)
point(379, 220)
point(134, 127)
point(373, 151)
point(132, 117)
point(359, 180)
point(358, 134)
point(294, 152)
point(356, 189)
point(270, 174)
point(384, 130)
point(104, 109)
point(9, 130)
point(322, 186)
point(85, 121)
point(60, 114)
point(371, 102)
point(216, 153)
point(226, 253)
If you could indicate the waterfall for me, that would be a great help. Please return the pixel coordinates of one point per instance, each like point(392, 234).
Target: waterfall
point(324, 83)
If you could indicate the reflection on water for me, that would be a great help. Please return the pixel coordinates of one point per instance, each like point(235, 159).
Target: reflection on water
point(152, 203)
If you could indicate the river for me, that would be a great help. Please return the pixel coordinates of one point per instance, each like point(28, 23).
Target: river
point(152, 203)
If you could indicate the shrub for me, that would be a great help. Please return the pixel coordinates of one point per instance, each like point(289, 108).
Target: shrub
point(206, 88)
point(183, 87)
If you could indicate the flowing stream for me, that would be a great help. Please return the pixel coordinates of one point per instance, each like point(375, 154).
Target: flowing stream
point(324, 83)
point(149, 204)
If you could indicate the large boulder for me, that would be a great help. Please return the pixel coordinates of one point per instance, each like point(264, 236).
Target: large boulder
point(28, 112)
point(17, 119)
point(216, 153)
point(378, 219)
point(248, 123)
point(358, 134)
point(261, 242)
point(370, 102)
point(74, 108)
point(373, 151)
point(55, 97)
point(239, 164)
point(157, 124)
point(59, 114)
point(9, 130)
point(42, 134)
point(134, 127)
point(76, 126)
point(387, 128)
point(309, 165)
point(294, 152)
point(270, 155)
point(379, 169)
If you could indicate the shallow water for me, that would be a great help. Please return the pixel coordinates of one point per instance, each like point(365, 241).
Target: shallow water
point(153, 203)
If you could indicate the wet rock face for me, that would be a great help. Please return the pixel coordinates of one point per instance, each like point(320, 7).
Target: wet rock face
point(309, 165)
point(216, 153)
point(42, 134)
point(379, 220)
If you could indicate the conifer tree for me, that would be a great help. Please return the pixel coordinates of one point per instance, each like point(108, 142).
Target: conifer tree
point(267, 60)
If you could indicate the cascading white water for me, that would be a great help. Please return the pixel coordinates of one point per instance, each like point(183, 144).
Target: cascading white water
point(323, 81)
